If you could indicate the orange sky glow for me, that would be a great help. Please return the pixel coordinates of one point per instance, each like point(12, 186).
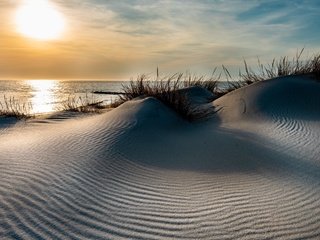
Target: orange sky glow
point(116, 40)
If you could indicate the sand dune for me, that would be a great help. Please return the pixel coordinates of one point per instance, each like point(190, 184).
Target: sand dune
point(285, 110)
point(251, 171)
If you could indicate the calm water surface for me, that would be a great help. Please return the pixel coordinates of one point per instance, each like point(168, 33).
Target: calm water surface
point(45, 96)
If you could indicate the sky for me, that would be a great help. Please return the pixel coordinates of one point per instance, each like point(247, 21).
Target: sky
point(117, 40)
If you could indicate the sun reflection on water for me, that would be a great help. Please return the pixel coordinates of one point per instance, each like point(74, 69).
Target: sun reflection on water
point(43, 97)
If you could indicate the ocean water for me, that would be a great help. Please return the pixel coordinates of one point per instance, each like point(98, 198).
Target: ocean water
point(45, 96)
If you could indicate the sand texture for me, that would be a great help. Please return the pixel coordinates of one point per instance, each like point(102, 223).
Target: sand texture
point(251, 171)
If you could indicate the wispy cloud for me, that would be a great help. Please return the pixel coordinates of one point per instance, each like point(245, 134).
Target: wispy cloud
point(122, 38)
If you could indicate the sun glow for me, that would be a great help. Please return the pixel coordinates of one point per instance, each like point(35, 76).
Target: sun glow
point(39, 19)
point(43, 95)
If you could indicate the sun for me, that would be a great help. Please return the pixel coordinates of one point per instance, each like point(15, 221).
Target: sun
point(38, 19)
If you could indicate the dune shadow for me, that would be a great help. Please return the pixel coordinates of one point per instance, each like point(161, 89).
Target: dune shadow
point(291, 98)
point(210, 149)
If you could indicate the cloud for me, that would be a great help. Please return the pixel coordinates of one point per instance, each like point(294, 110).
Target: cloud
point(132, 36)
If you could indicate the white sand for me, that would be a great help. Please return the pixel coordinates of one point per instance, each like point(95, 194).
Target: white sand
point(252, 171)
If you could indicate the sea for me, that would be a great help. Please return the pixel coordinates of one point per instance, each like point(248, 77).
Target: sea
point(46, 96)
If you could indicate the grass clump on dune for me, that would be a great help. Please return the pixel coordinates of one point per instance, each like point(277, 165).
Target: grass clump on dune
point(210, 84)
point(283, 67)
point(12, 108)
point(82, 104)
point(145, 86)
point(167, 90)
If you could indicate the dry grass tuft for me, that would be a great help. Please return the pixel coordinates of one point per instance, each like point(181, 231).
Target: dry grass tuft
point(166, 90)
point(12, 108)
point(82, 104)
point(283, 67)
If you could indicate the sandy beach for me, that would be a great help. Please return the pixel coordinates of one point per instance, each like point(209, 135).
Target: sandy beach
point(140, 171)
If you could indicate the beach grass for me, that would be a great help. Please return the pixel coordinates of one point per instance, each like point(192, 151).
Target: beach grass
point(80, 104)
point(12, 107)
point(284, 66)
point(166, 89)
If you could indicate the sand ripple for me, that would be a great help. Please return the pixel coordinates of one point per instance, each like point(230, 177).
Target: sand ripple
point(94, 178)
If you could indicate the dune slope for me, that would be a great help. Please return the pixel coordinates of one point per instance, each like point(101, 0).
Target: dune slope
point(141, 172)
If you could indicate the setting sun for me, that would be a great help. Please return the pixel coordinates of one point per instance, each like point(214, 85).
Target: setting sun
point(38, 19)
